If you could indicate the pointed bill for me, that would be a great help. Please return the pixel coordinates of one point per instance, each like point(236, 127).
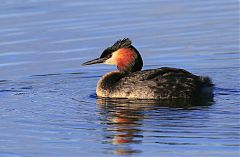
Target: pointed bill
point(94, 61)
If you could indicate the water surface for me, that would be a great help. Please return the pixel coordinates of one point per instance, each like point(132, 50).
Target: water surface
point(48, 101)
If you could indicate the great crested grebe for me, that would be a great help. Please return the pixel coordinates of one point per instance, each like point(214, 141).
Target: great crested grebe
point(132, 83)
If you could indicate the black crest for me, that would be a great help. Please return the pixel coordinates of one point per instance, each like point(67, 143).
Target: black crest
point(126, 42)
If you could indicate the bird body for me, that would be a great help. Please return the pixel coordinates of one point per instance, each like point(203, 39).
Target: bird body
point(162, 83)
point(132, 83)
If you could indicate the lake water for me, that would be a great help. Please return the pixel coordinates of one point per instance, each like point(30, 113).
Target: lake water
point(48, 102)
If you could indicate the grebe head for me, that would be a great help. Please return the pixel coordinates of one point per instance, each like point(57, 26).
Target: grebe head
point(122, 54)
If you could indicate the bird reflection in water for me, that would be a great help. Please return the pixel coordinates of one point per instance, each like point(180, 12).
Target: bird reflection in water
point(123, 120)
point(123, 123)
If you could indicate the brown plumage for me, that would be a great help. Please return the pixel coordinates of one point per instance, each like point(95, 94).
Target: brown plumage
point(130, 82)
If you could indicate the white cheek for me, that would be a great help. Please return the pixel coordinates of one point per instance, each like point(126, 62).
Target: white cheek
point(110, 61)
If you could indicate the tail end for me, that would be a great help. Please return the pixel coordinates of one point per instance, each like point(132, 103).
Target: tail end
point(206, 81)
point(206, 88)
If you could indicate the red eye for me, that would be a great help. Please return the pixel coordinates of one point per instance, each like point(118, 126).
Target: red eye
point(109, 56)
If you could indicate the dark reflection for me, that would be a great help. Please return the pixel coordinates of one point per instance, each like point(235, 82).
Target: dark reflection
point(123, 120)
point(123, 123)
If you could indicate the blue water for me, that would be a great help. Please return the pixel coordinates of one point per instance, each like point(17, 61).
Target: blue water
point(48, 102)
